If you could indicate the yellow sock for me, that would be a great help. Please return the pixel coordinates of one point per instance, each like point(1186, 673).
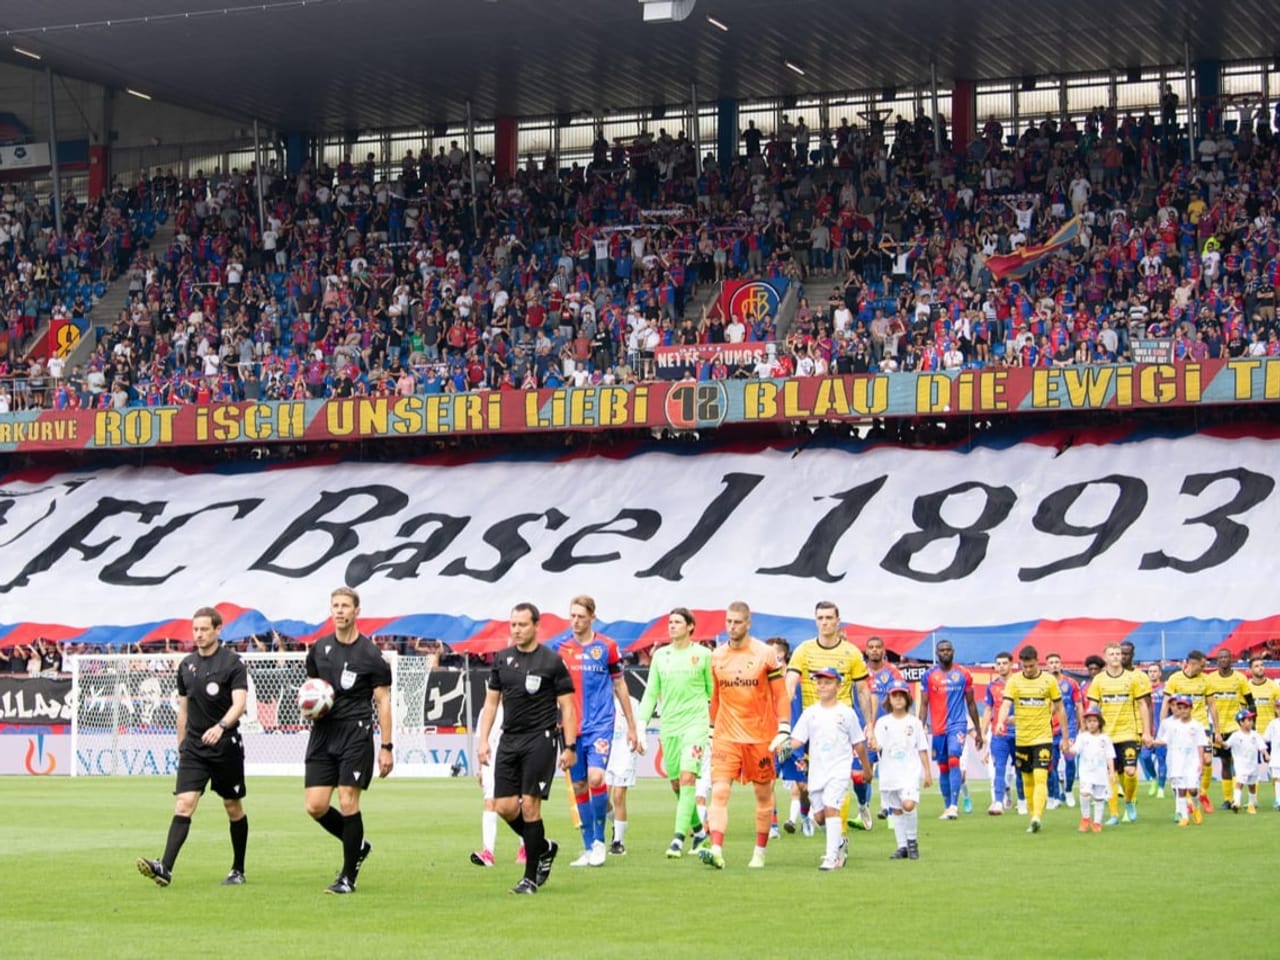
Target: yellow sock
point(1113, 801)
point(844, 812)
point(1206, 778)
point(1039, 793)
point(1228, 789)
point(1130, 781)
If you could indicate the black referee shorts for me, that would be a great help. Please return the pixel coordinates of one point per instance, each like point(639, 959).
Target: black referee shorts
point(221, 766)
point(340, 755)
point(525, 765)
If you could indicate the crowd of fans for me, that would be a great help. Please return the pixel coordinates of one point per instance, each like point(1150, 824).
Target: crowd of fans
point(360, 285)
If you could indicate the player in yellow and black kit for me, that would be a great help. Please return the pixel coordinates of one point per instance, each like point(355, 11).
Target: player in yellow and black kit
point(1124, 697)
point(1033, 698)
point(1266, 700)
point(1228, 689)
point(1192, 682)
point(830, 649)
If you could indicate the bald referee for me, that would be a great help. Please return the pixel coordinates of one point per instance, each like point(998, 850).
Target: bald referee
point(533, 684)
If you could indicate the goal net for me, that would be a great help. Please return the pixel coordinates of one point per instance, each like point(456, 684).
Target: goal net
point(125, 709)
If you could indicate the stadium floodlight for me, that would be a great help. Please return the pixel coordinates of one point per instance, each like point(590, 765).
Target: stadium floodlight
point(667, 11)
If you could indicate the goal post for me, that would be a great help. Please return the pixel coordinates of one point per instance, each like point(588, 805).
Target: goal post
point(125, 709)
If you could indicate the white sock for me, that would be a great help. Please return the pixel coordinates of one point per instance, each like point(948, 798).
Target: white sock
point(1235, 794)
point(832, 827)
point(912, 823)
point(489, 829)
point(793, 814)
point(619, 830)
point(900, 828)
point(1098, 807)
point(1180, 806)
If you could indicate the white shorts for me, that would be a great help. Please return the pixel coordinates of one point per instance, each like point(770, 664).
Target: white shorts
point(894, 799)
point(1185, 783)
point(830, 794)
point(1251, 778)
point(1275, 774)
point(620, 771)
point(1098, 791)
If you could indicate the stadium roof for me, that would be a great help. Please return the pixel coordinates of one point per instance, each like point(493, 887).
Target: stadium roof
point(328, 66)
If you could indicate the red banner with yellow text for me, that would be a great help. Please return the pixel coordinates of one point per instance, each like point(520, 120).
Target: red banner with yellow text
point(662, 404)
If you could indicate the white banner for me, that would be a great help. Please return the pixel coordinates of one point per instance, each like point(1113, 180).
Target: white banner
point(1157, 529)
point(24, 156)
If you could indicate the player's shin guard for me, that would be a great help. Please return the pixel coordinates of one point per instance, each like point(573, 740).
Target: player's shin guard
point(332, 822)
point(1130, 783)
point(832, 827)
point(535, 844)
point(862, 791)
point(911, 823)
point(352, 841)
point(1039, 792)
point(686, 811)
point(239, 842)
point(179, 827)
point(764, 817)
point(956, 778)
point(586, 817)
point(599, 811)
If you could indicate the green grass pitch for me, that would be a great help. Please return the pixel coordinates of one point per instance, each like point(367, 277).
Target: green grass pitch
point(983, 888)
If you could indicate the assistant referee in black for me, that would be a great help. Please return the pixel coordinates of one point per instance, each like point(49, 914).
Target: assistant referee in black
point(533, 685)
point(340, 750)
point(213, 687)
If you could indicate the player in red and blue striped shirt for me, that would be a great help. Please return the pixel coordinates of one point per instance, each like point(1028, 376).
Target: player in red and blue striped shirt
point(946, 709)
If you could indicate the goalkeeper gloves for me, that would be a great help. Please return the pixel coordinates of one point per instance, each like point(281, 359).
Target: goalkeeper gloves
point(781, 739)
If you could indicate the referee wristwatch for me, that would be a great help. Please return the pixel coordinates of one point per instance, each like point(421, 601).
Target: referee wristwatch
point(224, 725)
point(571, 746)
point(389, 747)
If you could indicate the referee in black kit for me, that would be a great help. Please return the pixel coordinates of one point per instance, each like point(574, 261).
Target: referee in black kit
point(340, 750)
point(213, 687)
point(532, 683)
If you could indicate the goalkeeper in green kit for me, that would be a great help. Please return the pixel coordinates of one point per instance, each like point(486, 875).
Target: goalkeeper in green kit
point(680, 688)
